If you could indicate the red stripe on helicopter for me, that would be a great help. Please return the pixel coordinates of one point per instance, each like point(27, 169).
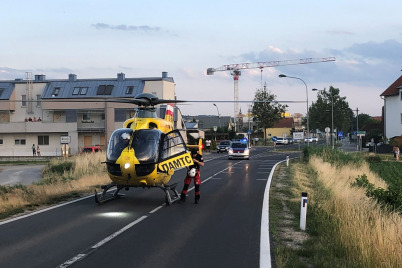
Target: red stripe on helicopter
point(169, 110)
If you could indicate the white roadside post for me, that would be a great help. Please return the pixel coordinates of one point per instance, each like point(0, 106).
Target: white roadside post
point(303, 211)
point(287, 160)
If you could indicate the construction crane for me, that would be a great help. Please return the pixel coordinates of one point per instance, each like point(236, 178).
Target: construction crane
point(235, 71)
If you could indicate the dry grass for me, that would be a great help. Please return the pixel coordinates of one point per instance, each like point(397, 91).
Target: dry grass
point(372, 237)
point(86, 173)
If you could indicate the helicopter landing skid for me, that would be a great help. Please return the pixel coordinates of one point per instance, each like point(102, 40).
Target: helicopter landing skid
point(101, 198)
point(168, 198)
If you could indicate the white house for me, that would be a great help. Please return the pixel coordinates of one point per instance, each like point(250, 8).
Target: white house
point(393, 109)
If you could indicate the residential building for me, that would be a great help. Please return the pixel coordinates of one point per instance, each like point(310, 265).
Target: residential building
point(76, 111)
point(393, 109)
point(282, 128)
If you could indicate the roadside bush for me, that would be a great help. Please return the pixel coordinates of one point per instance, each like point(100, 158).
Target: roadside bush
point(388, 199)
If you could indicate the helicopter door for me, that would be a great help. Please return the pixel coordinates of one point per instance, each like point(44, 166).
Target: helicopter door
point(173, 152)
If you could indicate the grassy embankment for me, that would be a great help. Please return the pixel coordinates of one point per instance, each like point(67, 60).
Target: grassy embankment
point(345, 227)
point(63, 179)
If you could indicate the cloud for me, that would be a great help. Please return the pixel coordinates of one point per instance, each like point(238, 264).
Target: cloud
point(388, 50)
point(337, 32)
point(365, 64)
point(8, 73)
point(123, 27)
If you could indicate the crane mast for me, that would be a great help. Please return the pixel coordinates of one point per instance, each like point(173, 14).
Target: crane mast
point(235, 71)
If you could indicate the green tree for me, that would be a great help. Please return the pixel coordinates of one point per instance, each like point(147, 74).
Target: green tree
point(320, 112)
point(365, 120)
point(266, 110)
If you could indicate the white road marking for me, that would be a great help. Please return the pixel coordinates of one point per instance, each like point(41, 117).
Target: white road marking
point(44, 210)
point(81, 256)
point(265, 252)
point(156, 209)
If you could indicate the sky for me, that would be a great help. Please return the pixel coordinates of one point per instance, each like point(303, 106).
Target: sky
point(99, 38)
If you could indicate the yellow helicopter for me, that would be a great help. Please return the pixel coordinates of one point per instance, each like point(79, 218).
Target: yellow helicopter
point(145, 152)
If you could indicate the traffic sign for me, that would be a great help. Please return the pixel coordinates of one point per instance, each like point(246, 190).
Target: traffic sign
point(274, 138)
point(298, 135)
point(361, 133)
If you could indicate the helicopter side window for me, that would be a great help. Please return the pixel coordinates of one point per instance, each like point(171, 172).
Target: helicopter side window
point(173, 145)
point(119, 140)
point(146, 145)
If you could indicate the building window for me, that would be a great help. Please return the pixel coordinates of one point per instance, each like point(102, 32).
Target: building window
point(76, 90)
point(401, 118)
point(1, 141)
point(80, 90)
point(1, 91)
point(24, 100)
point(86, 116)
point(19, 141)
point(129, 90)
point(56, 91)
point(105, 90)
point(43, 140)
point(38, 102)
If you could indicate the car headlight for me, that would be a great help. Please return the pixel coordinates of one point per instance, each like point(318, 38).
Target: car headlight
point(246, 151)
point(230, 150)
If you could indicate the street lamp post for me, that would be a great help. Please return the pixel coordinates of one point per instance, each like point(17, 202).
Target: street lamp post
point(332, 116)
point(219, 115)
point(308, 125)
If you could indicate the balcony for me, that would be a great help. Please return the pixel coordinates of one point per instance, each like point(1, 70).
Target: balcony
point(91, 126)
point(37, 127)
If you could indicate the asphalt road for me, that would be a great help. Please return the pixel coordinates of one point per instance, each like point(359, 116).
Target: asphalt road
point(20, 174)
point(139, 231)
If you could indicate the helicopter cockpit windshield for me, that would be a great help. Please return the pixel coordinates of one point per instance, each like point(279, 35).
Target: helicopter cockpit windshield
point(145, 143)
point(118, 141)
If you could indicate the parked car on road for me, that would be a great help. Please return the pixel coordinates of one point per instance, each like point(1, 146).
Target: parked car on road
point(281, 140)
point(290, 140)
point(315, 138)
point(223, 146)
point(238, 150)
point(91, 149)
point(308, 139)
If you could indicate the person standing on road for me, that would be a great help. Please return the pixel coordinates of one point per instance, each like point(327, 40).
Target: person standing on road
point(33, 150)
point(198, 162)
point(208, 145)
point(37, 150)
point(396, 153)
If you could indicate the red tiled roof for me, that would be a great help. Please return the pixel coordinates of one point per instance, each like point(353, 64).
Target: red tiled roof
point(378, 118)
point(393, 89)
point(284, 123)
